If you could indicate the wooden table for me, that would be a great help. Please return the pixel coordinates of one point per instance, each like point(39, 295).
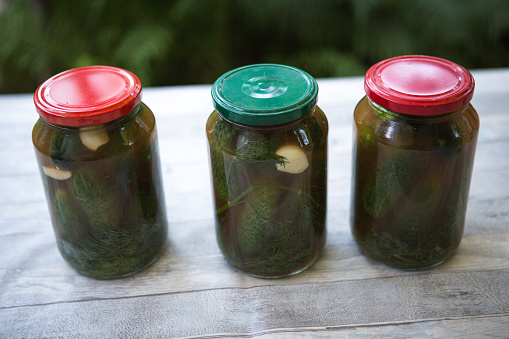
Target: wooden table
point(192, 292)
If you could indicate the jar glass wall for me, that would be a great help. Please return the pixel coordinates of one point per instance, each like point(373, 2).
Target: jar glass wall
point(411, 178)
point(412, 162)
point(270, 187)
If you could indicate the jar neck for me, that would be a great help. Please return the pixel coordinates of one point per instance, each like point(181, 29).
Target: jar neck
point(267, 127)
point(387, 114)
point(107, 125)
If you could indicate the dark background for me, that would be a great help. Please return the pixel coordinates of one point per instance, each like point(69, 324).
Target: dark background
point(182, 42)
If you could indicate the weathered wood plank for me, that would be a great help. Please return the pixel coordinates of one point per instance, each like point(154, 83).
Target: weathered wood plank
point(469, 327)
point(246, 310)
point(192, 261)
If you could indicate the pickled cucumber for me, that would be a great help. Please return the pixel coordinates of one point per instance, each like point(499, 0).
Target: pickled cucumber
point(69, 227)
point(115, 253)
point(256, 147)
point(256, 227)
point(114, 244)
point(275, 238)
point(416, 213)
point(65, 150)
point(96, 199)
point(222, 137)
point(390, 183)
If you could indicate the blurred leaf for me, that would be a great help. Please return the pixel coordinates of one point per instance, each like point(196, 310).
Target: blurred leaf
point(194, 41)
point(325, 63)
point(141, 46)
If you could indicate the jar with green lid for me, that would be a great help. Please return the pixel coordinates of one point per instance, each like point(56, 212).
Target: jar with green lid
point(268, 156)
point(96, 147)
point(414, 140)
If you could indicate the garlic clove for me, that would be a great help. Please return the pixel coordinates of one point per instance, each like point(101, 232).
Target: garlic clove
point(93, 138)
point(296, 160)
point(56, 173)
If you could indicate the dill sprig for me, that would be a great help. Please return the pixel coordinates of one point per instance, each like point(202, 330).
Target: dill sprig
point(255, 148)
point(249, 147)
point(114, 253)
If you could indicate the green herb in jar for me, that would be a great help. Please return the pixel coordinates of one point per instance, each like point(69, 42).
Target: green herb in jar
point(105, 232)
point(271, 239)
point(278, 225)
point(96, 199)
point(386, 188)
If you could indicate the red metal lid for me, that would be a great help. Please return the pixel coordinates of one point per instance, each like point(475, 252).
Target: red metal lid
point(87, 96)
point(419, 85)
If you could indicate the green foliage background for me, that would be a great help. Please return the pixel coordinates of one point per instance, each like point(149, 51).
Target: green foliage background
point(179, 42)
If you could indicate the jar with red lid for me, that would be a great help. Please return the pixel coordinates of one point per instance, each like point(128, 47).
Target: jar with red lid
point(414, 140)
point(97, 151)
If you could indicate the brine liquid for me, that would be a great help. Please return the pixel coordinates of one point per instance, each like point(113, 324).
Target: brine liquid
point(109, 215)
point(269, 223)
point(409, 199)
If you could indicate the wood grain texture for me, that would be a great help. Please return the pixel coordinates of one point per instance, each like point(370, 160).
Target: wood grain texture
point(245, 310)
point(192, 292)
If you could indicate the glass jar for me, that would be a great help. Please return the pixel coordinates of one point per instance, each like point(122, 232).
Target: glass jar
point(268, 154)
point(414, 141)
point(97, 151)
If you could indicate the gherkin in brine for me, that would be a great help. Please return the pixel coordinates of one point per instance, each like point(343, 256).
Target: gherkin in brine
point(222, 137)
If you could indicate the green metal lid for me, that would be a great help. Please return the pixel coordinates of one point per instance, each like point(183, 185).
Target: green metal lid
point(264, 94)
